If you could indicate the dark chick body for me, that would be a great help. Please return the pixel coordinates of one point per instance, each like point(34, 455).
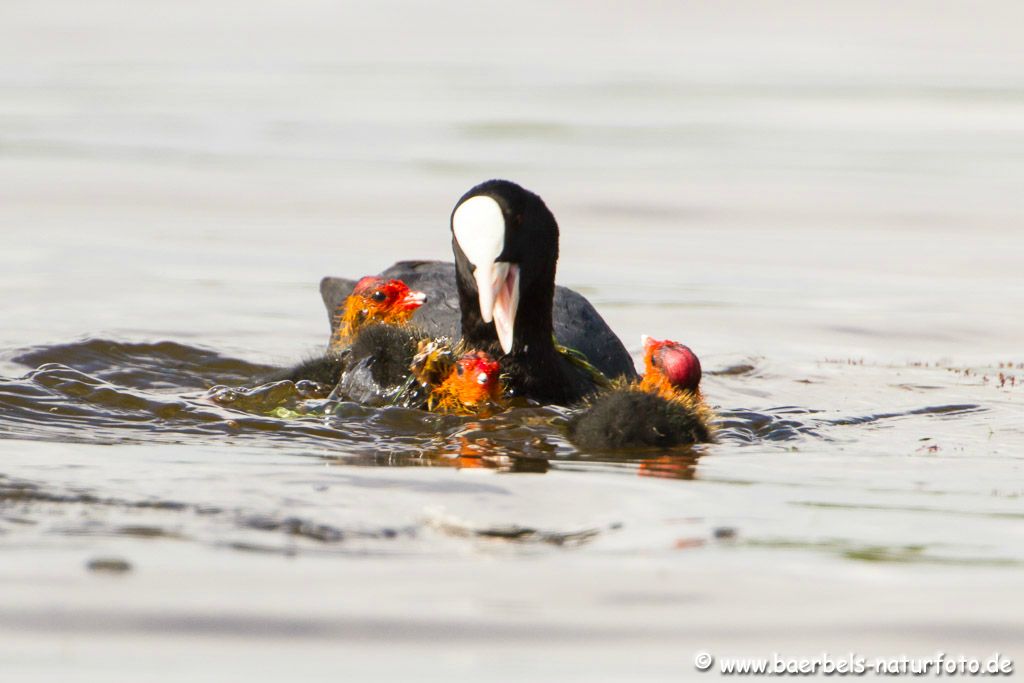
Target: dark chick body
point(627, 417)
point(664, 410)
point(377, 365)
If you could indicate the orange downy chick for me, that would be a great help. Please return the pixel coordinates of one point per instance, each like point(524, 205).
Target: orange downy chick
point(374, 300)
point(473, 387)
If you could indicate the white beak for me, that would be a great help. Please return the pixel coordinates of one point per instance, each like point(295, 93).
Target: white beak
point(498, 286)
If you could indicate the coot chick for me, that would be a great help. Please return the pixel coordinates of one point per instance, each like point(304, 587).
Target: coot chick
point(373, 301)
point(664, 409)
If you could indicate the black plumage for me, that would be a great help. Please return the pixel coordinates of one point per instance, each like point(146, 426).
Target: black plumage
point(378, 364)
point(626, 417)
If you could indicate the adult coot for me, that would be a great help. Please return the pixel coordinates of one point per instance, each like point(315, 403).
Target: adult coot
point(500, 297)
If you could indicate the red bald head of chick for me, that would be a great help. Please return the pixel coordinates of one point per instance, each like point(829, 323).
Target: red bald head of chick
point(670, 368)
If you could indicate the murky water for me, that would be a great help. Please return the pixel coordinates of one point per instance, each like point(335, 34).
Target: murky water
point(827, 212)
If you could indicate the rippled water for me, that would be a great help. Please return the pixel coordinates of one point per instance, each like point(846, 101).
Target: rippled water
point(107, 392)
point(823, 204)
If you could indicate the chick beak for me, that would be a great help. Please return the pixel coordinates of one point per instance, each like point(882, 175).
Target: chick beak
point(497, 284)
point(412, 300)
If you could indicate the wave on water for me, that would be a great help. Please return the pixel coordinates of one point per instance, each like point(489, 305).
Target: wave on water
point(158, 366)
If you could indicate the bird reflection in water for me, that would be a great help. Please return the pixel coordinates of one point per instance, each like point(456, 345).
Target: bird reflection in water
point(472, 452)
point(675, 466)
point(502, 446)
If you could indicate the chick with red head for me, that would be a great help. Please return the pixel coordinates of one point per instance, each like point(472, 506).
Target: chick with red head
point(472, 387)
point(664, 409)
point(374, 300)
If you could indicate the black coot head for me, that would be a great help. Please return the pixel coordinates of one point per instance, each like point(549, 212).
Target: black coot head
point(506, 246)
